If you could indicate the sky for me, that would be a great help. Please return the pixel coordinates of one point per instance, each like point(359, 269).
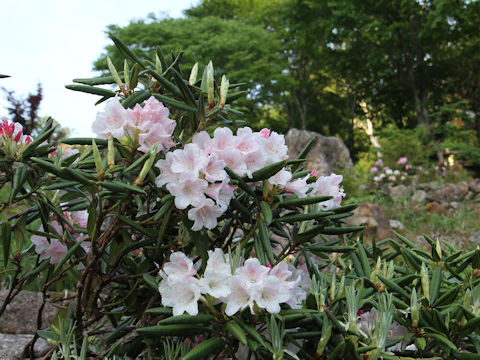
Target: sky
point(54, 41)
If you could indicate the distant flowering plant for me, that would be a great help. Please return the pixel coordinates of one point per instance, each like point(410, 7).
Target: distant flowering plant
point(399, 173)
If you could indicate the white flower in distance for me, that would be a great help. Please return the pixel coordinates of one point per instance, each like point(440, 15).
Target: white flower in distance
point(113, 121)
point(179, 266)
point(205, 215)
point(180, 293)
point(273, 292)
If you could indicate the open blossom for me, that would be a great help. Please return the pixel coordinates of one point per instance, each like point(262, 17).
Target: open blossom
point(53, 250)
point(12, 139)
point(329, 186)
point(147, 125)
point(181, 294)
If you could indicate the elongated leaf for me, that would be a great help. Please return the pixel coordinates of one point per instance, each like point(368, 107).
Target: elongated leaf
point(330, 248)
point(122, 187)
point(175, 103)
point(266, 172)
point(236, 330)
point(303, 217)
point(394, 287)
point(294, 201)
point(101, 80)
point(443, 340)
point(160, 311)
point(91, 90)
point(266, 211)
point(265, 239)
point(187, 319)
point(167, 84)
point(240, 181)
point(83, 141)
point(205, 349)
point(136, 98)
point(174, 330)
point(304, 152)
point(125, 50)
point(67, 256)
point(6, 240)
point(435, 284)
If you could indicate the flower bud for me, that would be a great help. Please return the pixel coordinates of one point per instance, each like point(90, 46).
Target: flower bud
point(210, 89)
point(224, 90)
point(193, 74)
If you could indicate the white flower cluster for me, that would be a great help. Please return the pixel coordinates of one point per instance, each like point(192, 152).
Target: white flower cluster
point(195, 175)
point(145, 125)
point(250, 284)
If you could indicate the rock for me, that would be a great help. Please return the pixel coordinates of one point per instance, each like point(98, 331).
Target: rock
point(436, 207)
point(475, 238)
point(20, 316)
point(329, 154)
point(396, 224)
point(398, 192)
point(371, 215)
point(450, 192)
point(455, 205)
point(419, 196)
point(474, 186)
point(12, 345)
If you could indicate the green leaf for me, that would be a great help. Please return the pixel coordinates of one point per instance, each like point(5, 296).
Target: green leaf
point(102, 80)
point(435, 284)
point(265, 239)
point(83, 141)
point(19, 178)
point(266, 172)
point(205, 349)
point(443, 340)
point(240, 181)
point(236, 330)
point(125, 50)
point(150, 280)
point(174, 330)
point(394, 287)
point(160, 311)
point(136, 98)
point(6, 240)
point(174, 103)
point(330, 248)
point(303, 217)
point(122, 187)
point(304, 152)
point(364, 260)
point(48, 335)
point(92, 90)
point(294, 201)
point(187, 319)
point(266, 211)
point(167, 84)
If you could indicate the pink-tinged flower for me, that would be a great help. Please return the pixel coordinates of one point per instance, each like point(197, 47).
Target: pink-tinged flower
point(41, 245)
point(313, 173)
point(166, 174)
point(281, 271)
point(299, 187)
point(80, 218)
point(373, 169)
point(239, 298)
point(246, 142)
point(402, 160)
point(113, 121)
point(275, 148)
point(214, 169)
point(181, 294)
point(188, 161)
point(27, 139)
point(203, 141)
point(216, 284)
point(56, 251)
point(69, 152)
point(179, 266)
point(188, 191)
point(273, 292)
point(379, 163)
point(223, 139)
point(252, 272)
point(234, 160)
point(205, 215)
point(408, 167)
point(222, 193)
point(265, 133)
point(281, 178)
point(157, 134)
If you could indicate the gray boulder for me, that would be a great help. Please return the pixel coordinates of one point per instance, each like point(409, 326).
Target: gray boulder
point(329, 154)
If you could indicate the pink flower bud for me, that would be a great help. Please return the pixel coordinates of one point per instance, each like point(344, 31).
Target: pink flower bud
point(373, 169)
point(10, 129)
point(408, 167)
point(18, 136)
point(313, 173)
point(379, 163)
point(402, 160)
point(28, 140)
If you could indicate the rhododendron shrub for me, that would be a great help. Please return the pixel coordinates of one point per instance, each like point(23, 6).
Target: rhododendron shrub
point(179, 232)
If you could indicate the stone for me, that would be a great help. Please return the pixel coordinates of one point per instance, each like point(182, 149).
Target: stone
point(328, 154)
point(475, 238)
point(474, 186)
point(20, 316)
point(455, 205)
point(372, 216)
point(12, 345)
point(450, 192)
point(396, 224)
point(419, 196)
point(398, 192)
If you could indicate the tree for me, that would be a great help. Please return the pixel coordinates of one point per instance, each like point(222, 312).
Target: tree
point(242, 50)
